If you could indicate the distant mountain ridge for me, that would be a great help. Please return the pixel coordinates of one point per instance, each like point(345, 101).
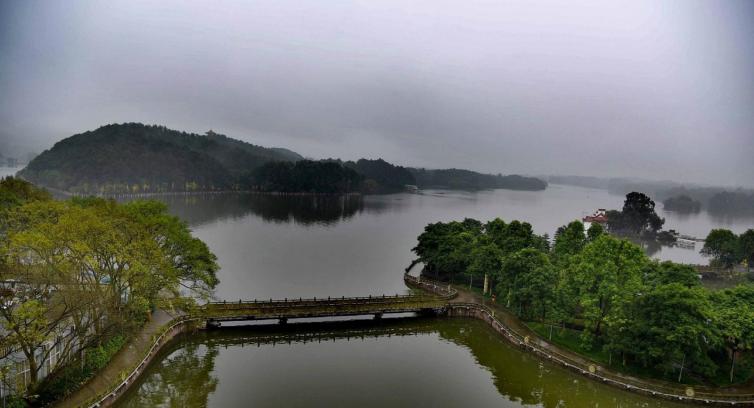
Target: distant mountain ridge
point(137, 158)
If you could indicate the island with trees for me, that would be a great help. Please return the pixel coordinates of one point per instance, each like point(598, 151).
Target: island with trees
point(637, 218)
point(602, 297)
point(732, 203)
point(682, 204)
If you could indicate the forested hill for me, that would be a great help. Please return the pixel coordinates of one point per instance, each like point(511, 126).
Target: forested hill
point(133, 157)
point(137, 158)
point(381, 176)
point(470, 180)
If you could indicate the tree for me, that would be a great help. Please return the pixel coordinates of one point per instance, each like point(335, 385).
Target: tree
point(595, 231)
point(684, 342)
point(486, 260)
point(528, 283)
point(722, 246)
point(746, 247)
point(637, 217)
point(28, 320)
point(601, 279)
point(734, 318)
point(95, 266)
point(665, 273)
point(446, 247)
point(514, 237)
point(569, 240)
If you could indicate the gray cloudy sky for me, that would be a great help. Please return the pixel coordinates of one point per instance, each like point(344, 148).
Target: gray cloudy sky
point(659, 89)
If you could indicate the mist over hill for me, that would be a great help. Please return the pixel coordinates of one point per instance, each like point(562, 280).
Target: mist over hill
point(138, 158)
point(133, 157)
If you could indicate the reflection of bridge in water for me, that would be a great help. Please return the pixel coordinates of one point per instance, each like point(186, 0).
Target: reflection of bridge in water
point(377, 306)
point(317, 332)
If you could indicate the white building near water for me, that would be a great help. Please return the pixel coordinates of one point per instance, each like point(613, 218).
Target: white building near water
point(599, 217)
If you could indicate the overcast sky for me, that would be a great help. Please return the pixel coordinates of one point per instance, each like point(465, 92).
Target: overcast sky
point(656, 89)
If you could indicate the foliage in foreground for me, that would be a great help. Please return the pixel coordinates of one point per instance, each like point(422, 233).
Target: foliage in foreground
point(86, 270)
point(73, 375)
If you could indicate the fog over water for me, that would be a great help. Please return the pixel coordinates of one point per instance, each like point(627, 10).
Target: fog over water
point(619, 88)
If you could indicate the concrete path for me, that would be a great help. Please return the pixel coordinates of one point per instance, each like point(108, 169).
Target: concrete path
point(109, 376)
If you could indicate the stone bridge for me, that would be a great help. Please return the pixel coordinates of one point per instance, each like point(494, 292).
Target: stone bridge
point(432, 300)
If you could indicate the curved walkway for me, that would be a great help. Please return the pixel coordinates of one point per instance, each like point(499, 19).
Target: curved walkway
point(127, 365)
point(124, 360)
point(468, 304)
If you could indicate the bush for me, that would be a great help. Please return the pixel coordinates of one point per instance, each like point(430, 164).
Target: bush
point(70, 378)
point(15, 402)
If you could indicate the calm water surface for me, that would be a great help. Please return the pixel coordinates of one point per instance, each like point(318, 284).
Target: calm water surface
point(273, 246)
point(417, 363)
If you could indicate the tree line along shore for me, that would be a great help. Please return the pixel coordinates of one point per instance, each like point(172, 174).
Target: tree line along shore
point(598, 294)
point(134, 158)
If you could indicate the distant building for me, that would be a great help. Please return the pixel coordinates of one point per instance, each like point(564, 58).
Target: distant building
point(599, 217)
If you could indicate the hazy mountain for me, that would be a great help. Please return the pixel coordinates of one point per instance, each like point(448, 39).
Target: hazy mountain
point(470, 180)
point(136, 158)
point(133, 157)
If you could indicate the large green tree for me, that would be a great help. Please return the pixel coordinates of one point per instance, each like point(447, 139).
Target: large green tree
point(601, 279)
point(746, 247)
point(96, 266)
point(486, 260)
point(638, 216)
point(528, 283)
point(734, 317)
point(569, 240)
point(670, 327)
point(722, 246)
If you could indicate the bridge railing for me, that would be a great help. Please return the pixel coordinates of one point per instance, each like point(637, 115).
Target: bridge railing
point(321, 300)
point(443, 290)
point(340, 302)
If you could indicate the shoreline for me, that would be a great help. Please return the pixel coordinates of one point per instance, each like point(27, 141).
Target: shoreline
point(461, 304)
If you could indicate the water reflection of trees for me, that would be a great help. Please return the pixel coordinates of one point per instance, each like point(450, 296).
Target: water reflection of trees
point(527, 379)
point(185, 377)
point(182, 379)
point(300, 209)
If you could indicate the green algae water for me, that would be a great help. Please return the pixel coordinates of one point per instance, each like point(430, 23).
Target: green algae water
point(414, 362)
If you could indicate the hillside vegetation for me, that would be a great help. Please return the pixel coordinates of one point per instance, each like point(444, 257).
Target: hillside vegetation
point(471, 180)
point(132, 157)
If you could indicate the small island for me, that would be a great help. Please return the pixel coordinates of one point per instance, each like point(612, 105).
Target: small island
point(682, 204)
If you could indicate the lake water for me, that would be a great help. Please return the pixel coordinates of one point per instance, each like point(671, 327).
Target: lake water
point(394, 363)
point(275, 246)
